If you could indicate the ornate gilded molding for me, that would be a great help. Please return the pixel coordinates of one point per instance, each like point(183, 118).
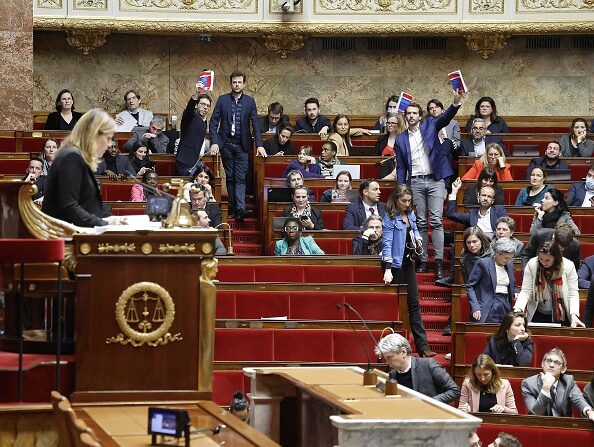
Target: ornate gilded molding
point(137, 328)
point(284, 44)
point(388, 7)
point(49, 4)
point(86, 41)
point(310, 29)
point(553, 6)
point(177, 248)
point(116, 248)
point(486, 7)
point(90, 5)
point(486, 44)
point(173, 6)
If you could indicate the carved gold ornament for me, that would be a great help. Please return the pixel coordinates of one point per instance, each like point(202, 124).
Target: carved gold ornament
point(86, 41)
point(85, 248)
point(49, 4)
point(177, 248)
point(486, 44)
point(207, 248)
point(146, 248)
point(209, 268)
point(116, 248)
point(284, 44)
point(144, 312)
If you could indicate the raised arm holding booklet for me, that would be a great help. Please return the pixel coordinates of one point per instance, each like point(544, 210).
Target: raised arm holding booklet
point(457, 81)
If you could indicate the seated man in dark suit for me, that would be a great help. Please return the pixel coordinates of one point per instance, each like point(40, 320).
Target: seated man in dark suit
point(369, 243)
point(203, 221)
point(198, 202)
point(313, 122)
point(474, 145)
point(563, 234)
point(552, 392)
point(581, 193)
point(113, 165)
point(368, 205)
point(551, 160)
point(424, 375)
point(485, 217)
point(585, 272)
point(269, 123)
point(152, 137)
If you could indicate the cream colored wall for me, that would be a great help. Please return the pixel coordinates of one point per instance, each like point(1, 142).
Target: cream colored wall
point(164, 69)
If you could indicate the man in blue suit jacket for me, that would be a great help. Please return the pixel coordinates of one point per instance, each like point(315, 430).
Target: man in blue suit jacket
point(369, 199)
point(486, 208)
point(231, 135)
point(578, 190)
point(422, 162)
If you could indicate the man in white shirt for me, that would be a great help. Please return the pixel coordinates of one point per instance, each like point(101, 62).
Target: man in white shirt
point(552, 392)
point(133, 116)
point(475, 144)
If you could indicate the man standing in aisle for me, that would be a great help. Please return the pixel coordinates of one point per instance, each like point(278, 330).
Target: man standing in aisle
point(231, 135)
point(422, 162)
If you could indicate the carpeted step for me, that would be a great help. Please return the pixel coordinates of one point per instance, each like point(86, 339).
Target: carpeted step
point(435, 323)
point(434, 293)
point(241, 237)
point(248, 250)
point(435, 308)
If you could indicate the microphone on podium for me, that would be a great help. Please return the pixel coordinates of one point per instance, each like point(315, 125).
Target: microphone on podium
point(369, 378)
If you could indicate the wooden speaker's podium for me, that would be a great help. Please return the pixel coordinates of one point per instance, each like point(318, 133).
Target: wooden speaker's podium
point(145, 314)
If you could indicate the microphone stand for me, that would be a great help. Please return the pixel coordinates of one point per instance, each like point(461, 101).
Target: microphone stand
point(369, 377)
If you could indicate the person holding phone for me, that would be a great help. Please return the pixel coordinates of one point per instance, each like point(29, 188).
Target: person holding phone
point(551, 211)
point(309, 216)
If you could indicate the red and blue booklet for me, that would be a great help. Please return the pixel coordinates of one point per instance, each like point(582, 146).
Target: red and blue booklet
point(207, 79)
point(404, 101)
point(457, 81)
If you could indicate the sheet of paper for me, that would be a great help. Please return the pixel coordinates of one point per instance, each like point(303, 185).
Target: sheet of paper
point(129, 122)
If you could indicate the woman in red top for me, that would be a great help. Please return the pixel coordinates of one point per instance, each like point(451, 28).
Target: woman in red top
point(493, 157)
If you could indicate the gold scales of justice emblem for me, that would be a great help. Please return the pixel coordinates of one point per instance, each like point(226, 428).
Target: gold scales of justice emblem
point(134, 307)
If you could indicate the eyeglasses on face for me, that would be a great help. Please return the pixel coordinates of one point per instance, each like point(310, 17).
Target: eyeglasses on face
point(550, 361)
point(292, 228)
point(204, 104)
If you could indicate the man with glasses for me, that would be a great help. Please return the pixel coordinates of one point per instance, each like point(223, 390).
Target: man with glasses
point(475, 144)
point(152, 137)
point(552, 392)
point(194, 126)
point(132, 116)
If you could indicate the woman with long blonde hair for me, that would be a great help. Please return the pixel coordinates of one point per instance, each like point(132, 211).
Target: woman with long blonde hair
point(493, 157)
point(71, 191)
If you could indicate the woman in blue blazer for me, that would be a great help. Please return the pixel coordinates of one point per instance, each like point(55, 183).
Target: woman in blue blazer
point(491, 285)
point(401, 244)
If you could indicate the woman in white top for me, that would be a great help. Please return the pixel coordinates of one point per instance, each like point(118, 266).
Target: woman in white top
point(550, 289)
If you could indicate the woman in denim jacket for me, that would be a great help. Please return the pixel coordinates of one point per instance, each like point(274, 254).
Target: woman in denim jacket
point(401, 243)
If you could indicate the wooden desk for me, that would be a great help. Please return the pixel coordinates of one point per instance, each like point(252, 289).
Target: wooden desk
point(334, 409)
point(127, 426)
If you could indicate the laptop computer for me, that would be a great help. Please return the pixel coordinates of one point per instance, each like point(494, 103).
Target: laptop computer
point(354, 170)
point(278, 223)
point(558, 175)
point(362, 151)
point(526, 150)
point(280, 194)
point(351, 196)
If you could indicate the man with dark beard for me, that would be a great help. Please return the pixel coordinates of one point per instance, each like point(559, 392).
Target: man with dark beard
point(112, 164)
point(551, 160)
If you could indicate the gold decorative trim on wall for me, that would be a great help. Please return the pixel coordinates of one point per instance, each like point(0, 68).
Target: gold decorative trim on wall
point(86, 41)
point(284, 44)
point(89, 5)
point(177, 248)
point(230, 28)
point(486, 44)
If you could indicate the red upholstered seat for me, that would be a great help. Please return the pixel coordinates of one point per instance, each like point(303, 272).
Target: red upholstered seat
point(368, 274)
point(375, 307)
point(277, 273)
point(347, 346)
point(116, 191)
point(31, 250)
point(254, 305)
point(316, 306)
point(303, 345)
point(538, 436)
point(225, 383)
point(13, 166)
point(333, 219)
point(243, 345)
point(327, 273)
point(578, 350)
point(516, 384)
point(236, 273)
point(225, 304)
point(335, 246)
point(474, 344)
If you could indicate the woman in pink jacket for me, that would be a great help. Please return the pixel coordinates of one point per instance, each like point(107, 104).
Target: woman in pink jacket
point(485, 390)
